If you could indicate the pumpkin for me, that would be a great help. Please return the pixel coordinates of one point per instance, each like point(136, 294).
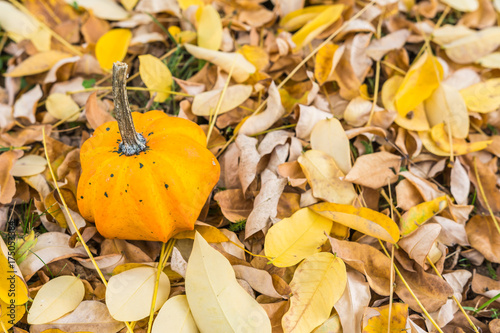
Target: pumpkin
point(147, 184)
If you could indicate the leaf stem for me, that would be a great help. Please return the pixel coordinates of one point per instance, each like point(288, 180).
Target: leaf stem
point(132, 142)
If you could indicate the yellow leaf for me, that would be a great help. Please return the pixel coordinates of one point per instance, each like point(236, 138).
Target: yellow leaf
point(362, 219)
point(325, 63)
point(129, 294)
point(210, 233)
point(184, 4)
point(225, 60)
point(446, 105)
point(415, 120)
point(460, 146)
point(175, 317)
point(218, 303)
point(316, 26)
point(491, 60)
point(56, 298)
point(38, 63)
point(103, 9)
point(129, 4)
point(181, 37)
point(421, 213)
point(324, 176)
point(205, 103)
point(474, 46)
point(256, 55)
point(209, 28)
point(155, 75)
point(329, 136)
point(296, 237)
point(317, 284)
point(62, 106)
point(376, 320)
point(430, 145)
point(296, 19)
point(112, 47)
point(419, 83)
point(482, 97)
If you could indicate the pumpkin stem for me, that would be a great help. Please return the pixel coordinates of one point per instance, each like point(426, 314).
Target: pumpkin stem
point(132, 142)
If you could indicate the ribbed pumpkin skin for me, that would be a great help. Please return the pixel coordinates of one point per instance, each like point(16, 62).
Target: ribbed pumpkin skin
point(151, 195)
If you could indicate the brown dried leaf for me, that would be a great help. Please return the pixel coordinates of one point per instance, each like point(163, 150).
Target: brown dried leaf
point(7, 183)
point(484, 236)
point(375, 170)
point(233, 204)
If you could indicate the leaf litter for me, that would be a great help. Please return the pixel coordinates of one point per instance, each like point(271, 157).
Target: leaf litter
point(358, 143)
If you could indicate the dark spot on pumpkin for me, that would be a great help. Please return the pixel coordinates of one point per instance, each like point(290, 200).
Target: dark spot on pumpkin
point(81, 197)
point(105, 194)
point(141, 165)
point(90, 183)
point(154, 162)
point(150, 133)
point(125, 190)
point(112, 175)
point(166, 186)
point(107, 129)
point(140, 200)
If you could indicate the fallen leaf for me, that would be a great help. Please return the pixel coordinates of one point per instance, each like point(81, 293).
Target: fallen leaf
point(460, 146)
point(317, 284)
point(7, 182)
point(112, 47)
point(329, 136)
point(260, 122)
point(367, 260)
point(325, 178)
point(25, 106)
point(380, 47)
point(297, 237)
point(62, 106)
point(225, 60)
point(446, 105)
point(463, 5)
point(316, 26)
point(56, 298)
point(363, 219)
point(204, 103)
point(298, 18)
point(209, 28)
point(265, 203)
point(308, 118)
point(28, 165)
point(419, 243)
point(89, 316)
point(38, 63)
point(351, 305)
point(233, 204)
point(175, 316)
point(326, 61)
point(129, 294)
point(419, 83)
point(376, 320)
point(484, 236)
point(155, 75)
point(13, 289)
point(482, 97)
point(260, 280)
point(459, 183)
point(375, 170)
point(472, 47)
point(211, 287)
point(249, 158)
point(104, 9)
point(421, 213)
point(94, 112)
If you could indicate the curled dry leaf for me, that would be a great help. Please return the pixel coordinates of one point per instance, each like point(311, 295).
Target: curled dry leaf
point(211, 288)
point(129, 294)
point(459, 146)
point(297, 237)
point(25, 106)
point(56, 298)
point(7, 182)
point(95, 113)
point(421, 213)
point(419, 243)
point(204, 104)
point(242, 67)
point(156, 76)
point(375, 170)
point(38, 63)
point(459, 183)
point(298, 18)
point(233, 204)
point(326, 60)
point(393, 41)
point(260, 280)
point(317, 284)
point(363, 219)
point(260, 122)
point(175, 316)
point(325, 178)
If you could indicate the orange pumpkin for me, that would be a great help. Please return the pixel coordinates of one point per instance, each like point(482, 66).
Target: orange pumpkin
point(149, 184)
